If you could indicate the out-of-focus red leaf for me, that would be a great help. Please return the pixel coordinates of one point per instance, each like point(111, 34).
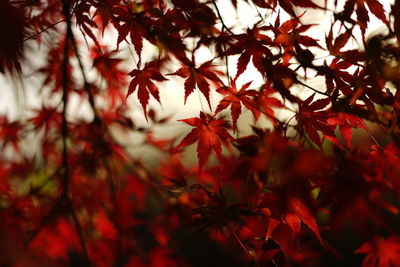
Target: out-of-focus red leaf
point(10, 132)
point(266, 102)
point(105, 227)
point(57, 240)
point(388, 158)
point(381, 252)
point(299, 211)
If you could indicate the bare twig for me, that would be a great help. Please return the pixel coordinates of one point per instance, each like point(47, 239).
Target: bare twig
point(370, 133)
point(220, 18)
point(249, 252)
point(227, 66)
point(224, 27)
point(313, 89)
point(287, 123)
point(43, 30)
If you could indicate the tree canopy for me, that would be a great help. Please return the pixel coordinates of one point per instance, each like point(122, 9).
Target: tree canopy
point(295, 139)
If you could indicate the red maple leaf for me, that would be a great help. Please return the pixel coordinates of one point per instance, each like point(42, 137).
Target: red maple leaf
point(265, 102)
point(299, 212)
point(336, 78)
point(288, 5)
point(381, 252)
point(143, 80)
point(46, 117)
point(57, 240)
point(201, 76)
point(288, 36)
point(210, 134)
point(84, 21)
point(134, 25)
point(235, 99)
point(340, 41)
point(252, 44)
point(374, 6)
point(346, 123)
point(334, 45)
point(104, 226)
point(311, 120)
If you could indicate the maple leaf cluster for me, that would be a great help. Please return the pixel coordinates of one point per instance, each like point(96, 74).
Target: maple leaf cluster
point(286, 172)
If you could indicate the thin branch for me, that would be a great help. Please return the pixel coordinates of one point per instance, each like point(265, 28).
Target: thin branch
point(201, 102)
point(42, 31)
point(370, 134)
point(87, 87)
point(227, 66)
point(311, 88)
point(224, 27)
point(66, 178)
point(249, 252)
point(220, 18)
point(257, 10)
point(287, 124)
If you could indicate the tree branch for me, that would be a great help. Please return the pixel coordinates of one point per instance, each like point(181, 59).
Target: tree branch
point(72, 38)
point(66, 177)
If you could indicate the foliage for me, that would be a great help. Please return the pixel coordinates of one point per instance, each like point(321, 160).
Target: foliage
point(304, 191)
